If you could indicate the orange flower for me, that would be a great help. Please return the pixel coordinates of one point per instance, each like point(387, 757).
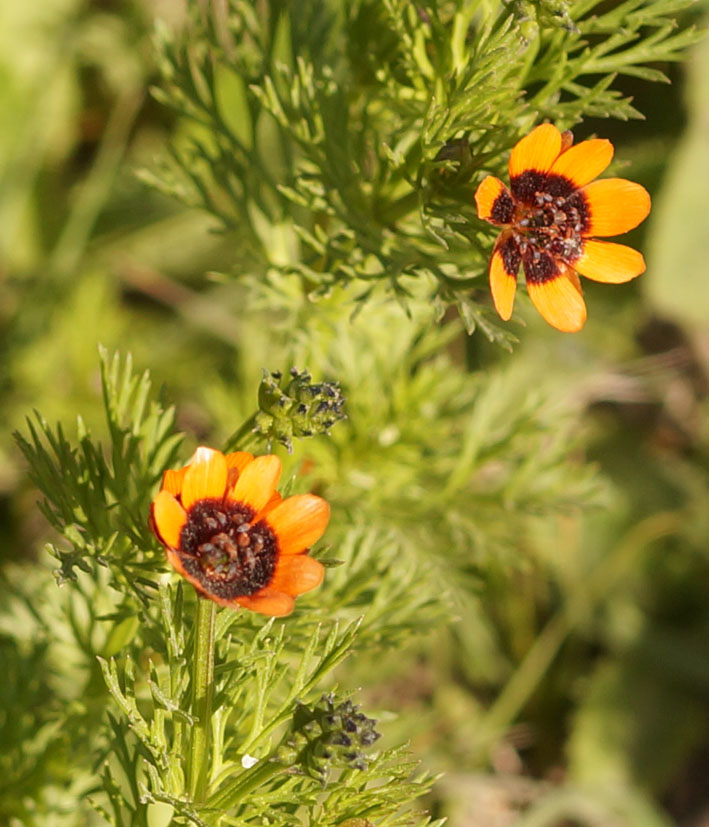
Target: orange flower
point(230, 533)
point(549, 216)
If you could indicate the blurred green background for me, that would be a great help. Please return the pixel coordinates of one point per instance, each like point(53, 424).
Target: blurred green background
point(593, 655)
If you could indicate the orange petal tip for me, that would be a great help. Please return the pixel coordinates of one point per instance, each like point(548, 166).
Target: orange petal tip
point(269, 602)
point(494, 201)
point(615, 206)
point(298, 522)
point(257, 482)
point(559, 302)
point(536, 151)
point(611, 263)
point(205, 477)
point(584, 162)
point(168, 518)
point(297, 574)
point(504, 266)
point(172, 481)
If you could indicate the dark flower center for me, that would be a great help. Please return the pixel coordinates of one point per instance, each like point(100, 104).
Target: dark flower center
point(551, 214)
point(550, 218)
point(220, 548)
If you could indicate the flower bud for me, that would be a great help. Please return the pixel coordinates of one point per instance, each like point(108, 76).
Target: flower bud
point(295, 406)
point(326, 735)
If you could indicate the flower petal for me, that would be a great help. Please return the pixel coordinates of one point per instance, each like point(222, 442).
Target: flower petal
point(608, 262)
point(536, 151)
point(296, 574)
point(172, 481)
point(494, 201)
point(238, 460)
point(584, 162)
point(235, 463)
point(559, 301)
point(614, 206)
point(298, 522)
point(504, 266)
point(276, 499)
point(269, 602)
point(169, 518)
point(257, 482)
point(206, 476)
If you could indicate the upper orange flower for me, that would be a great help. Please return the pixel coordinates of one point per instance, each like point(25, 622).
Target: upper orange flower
point(549, 214)
point(230, 533)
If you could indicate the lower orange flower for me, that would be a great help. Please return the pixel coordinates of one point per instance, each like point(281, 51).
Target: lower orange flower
point(230, 533)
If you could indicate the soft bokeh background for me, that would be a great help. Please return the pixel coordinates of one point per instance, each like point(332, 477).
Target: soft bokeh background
point(590, 654)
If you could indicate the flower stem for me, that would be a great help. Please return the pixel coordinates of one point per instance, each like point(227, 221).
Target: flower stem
point(243, 436)
point(238, 789)
point(202, 691)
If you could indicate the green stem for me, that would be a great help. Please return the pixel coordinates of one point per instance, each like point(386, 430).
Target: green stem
point(243, 436)
point(202, 692)
point(236, 791)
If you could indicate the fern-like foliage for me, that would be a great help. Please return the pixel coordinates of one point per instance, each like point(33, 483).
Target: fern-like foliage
point(97, 497)
point(360, 163)
point(256, 774)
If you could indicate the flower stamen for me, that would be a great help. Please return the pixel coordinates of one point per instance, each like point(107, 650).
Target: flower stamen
point(225, 551)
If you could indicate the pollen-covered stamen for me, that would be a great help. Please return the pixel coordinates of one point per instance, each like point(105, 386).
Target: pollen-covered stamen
point(221, 548)
point(552, 219)
point(539, 267)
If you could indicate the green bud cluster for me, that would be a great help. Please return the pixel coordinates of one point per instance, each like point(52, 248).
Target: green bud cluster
point(295, 406)
point(326, 736)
